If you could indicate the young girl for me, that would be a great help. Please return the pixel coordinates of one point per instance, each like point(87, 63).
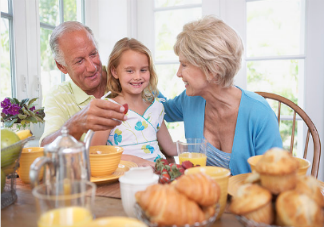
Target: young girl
point(132, 80)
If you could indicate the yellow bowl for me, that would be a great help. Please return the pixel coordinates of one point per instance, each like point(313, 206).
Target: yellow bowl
point(221, 176)
point(116, 221)
point(28, 156)
point(303, 164)
point(104, 160)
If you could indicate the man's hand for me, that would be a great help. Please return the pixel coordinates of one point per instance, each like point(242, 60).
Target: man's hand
point(98, 115)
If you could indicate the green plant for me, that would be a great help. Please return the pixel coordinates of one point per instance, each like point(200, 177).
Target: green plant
point(23, 112)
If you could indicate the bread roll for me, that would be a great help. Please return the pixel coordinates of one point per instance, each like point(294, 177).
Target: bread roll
point(310, 186)
point(200, 188)
point(253, 202)
point(278, 170)
point(299, 210)
point(166, 206)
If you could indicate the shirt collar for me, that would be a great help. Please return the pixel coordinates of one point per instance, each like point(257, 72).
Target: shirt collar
point(79, 94)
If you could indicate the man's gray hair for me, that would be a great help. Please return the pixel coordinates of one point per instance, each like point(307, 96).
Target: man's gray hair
point(65, 27)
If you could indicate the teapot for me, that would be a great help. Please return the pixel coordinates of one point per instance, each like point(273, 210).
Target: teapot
point(64, 159)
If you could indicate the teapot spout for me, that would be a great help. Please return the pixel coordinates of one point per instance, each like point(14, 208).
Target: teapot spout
point(87, 141)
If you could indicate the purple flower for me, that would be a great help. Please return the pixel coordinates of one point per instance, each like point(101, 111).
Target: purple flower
point(5, 111)
point(14, 109)
point(5, 103)
point(32, 108)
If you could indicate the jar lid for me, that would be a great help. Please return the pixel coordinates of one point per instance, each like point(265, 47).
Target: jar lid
point(139, 176)
point(64, 142)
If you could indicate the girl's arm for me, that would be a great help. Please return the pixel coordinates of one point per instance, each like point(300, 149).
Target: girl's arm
point(100, 138)
point(166, 142)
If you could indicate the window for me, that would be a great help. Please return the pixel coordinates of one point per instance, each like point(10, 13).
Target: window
point(51, 14)
point(275, 52)
point(26, 58)
point(7, 63)
point(166, 62)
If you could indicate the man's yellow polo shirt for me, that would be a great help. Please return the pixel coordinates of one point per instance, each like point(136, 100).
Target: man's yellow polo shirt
point(61, 103)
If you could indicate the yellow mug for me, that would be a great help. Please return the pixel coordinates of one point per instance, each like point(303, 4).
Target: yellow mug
point(28, 156)
point(221, 176)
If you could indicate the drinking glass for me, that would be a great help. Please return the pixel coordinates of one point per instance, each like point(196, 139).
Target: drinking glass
point(193, 150)
point(64, 204)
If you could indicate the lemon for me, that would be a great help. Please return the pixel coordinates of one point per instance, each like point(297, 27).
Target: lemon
point(8, 138)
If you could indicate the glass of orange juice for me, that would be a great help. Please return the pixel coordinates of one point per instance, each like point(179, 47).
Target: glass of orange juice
point(193, 150)
point(64, 204)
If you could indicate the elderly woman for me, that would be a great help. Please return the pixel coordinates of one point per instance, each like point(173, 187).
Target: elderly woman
point(236, 123)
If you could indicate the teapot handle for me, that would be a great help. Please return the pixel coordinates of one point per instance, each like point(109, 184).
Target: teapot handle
point(87, 140)
point(36, 167)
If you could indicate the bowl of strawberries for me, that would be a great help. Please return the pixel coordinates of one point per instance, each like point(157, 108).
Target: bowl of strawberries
point(168, 172)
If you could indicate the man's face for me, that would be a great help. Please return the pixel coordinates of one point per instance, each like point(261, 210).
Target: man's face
point(82, 60)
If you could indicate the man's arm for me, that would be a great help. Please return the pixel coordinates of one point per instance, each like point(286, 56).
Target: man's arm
point(98, 115)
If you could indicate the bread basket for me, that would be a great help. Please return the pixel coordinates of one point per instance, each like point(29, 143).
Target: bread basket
point(140, 214)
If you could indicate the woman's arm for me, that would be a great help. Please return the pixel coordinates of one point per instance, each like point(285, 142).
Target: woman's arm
point(166, 142)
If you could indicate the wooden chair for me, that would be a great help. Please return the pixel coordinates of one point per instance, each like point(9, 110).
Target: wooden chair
point(310, 125)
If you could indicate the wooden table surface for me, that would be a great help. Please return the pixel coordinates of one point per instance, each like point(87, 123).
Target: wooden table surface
point(107, 203)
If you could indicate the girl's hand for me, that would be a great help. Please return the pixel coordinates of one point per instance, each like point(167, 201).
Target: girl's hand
point(139, 161)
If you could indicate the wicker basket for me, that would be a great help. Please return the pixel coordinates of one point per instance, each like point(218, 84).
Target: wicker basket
point(9, 195)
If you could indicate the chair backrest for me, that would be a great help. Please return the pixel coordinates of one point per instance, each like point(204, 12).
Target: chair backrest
point(310, 125)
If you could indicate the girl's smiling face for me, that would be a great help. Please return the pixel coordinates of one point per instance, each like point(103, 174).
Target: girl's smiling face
point(132, 72)
point(193, 77)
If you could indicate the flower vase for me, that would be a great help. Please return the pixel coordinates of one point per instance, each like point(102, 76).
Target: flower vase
point(18, 127)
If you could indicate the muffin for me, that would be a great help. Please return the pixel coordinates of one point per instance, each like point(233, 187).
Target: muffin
point(253, 202)
point(299, 210)
point(310, 186)
point(278, 170)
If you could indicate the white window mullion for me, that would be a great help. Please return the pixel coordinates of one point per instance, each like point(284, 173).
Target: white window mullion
point(20, 48)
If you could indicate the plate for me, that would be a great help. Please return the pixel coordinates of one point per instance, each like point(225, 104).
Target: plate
point(116, 221)
point(123, 167)
point(235, 181)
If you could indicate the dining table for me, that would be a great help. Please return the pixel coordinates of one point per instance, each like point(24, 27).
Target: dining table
point(107, 203)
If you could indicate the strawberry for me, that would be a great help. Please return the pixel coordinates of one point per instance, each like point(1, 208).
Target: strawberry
point(176, 172)
point(164, 177)
point(172, 164)
point(126, 108)
point(187, 164)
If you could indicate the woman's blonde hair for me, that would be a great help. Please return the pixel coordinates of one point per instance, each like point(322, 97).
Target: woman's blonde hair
point(151, 91)
point(213, 46)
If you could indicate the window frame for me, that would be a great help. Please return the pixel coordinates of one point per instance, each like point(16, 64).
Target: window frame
point(9, 17)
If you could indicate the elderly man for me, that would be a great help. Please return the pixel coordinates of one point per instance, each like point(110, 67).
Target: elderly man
point(76, 104)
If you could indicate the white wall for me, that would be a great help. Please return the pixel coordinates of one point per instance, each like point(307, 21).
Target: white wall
point(109, 21)
point(314, 70)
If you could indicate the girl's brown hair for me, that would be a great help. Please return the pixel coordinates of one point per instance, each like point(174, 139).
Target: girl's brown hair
point(151, 91)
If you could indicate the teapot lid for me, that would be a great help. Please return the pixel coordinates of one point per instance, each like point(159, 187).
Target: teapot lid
point(63, 142)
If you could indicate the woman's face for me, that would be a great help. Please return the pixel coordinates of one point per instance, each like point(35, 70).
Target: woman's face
point(193, 77)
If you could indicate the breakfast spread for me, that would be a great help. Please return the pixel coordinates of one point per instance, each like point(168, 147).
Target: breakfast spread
point(281, 197)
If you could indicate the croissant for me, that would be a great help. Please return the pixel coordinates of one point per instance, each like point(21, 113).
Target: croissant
point(166, 206)
point(200, 188)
